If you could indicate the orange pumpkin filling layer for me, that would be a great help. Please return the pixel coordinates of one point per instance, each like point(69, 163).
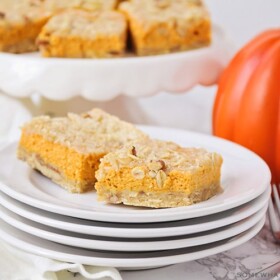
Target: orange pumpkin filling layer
point(67, 150)
point(158, 174)
point(71, 165)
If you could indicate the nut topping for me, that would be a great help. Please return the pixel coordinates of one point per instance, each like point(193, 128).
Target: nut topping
point(156, 165)
point(43, 43)
point(124, 160)
point(160, 178)
point(86, 116)
point(152, 174)
point(133, 151)
point(27, 19)
point(138, 173)
point(163, 165)
point(162, 3)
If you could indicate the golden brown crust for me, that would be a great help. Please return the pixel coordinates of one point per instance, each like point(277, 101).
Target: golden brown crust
point(158, 200)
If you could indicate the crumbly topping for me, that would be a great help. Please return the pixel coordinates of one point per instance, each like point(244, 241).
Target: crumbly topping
point(21, 11)
point(157, 158)
point(92, 132)
point(91, 5)
point(86, 24)
point(178, 14)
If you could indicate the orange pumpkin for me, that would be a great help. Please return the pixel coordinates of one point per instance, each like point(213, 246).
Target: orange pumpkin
point(247, 105)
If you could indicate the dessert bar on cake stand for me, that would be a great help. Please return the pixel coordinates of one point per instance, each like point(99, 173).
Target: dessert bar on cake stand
point(41, 82)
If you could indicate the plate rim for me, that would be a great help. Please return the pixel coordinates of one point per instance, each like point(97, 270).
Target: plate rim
point(132, 232)
point(128, 245)
point(123, 263)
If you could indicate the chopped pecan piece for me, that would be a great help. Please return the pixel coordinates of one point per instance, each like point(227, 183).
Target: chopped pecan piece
point(133, 151)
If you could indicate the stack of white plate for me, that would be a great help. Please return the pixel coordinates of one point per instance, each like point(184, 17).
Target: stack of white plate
point(39, 217)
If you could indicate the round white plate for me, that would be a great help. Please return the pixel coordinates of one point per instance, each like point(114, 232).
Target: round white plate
point(128, 245)
point(244, 177)
point(150, 230)
point(123, 260)
point(62, 79)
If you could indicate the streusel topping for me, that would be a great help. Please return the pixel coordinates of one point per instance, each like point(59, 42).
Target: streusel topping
point(95, 131)
point(87, 24)
point(21, 11)
point(158, 157)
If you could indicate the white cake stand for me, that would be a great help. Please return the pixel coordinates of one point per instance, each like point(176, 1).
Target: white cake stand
point(60, 79)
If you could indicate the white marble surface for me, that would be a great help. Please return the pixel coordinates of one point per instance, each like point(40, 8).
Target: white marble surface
point(243, 262)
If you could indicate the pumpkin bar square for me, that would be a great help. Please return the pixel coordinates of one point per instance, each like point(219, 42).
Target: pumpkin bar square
point(68, 149)
point(20, 23)
point(83, 34)
point(164, 26)
point(158, 174)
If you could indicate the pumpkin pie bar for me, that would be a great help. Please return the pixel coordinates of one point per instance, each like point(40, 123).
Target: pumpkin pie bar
point(68, 149)
point(83, 34)
point(164, 26)
point(158, 174)
point(20, 24)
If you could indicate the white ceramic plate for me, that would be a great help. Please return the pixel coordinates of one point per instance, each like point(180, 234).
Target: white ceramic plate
point(244, 177)
point(150, 230)
point(41, 247)
point(131, 76)
point(128, 245)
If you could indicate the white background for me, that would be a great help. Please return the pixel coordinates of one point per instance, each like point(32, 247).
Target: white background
point(244, 19)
